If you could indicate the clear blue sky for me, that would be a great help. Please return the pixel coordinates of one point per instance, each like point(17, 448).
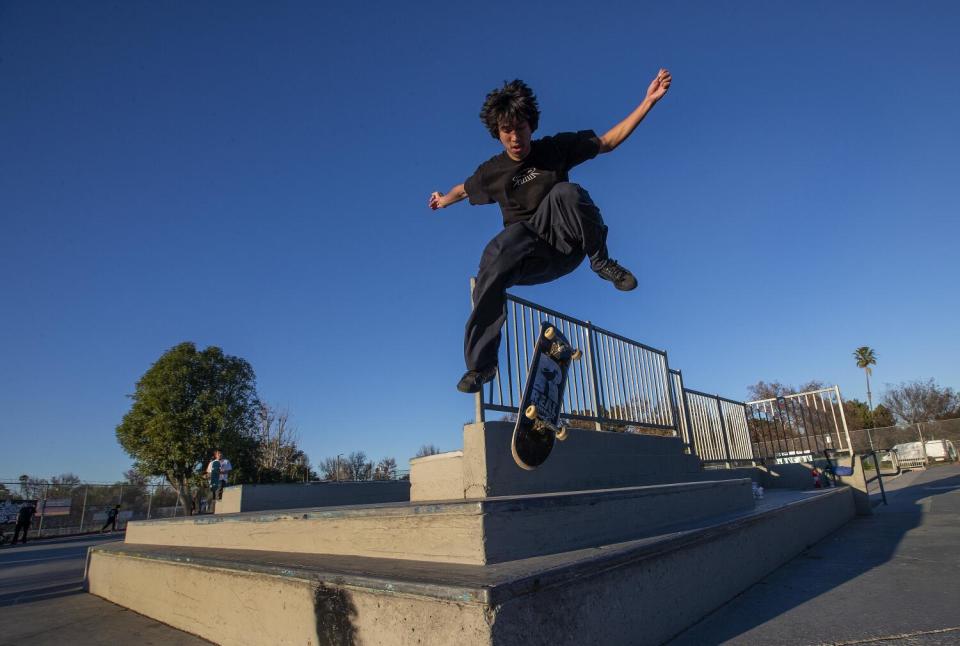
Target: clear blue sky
point(255, 176)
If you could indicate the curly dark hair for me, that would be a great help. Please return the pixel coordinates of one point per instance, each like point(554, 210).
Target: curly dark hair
point(513, 102)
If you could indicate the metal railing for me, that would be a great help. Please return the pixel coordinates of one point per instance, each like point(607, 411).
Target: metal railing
point(622, 384)
point(870, 462)
point(618, 384)
point(683, 412)
point(792, 427)
point(718, 429)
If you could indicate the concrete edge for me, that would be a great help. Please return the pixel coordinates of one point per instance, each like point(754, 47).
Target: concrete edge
point(600, 560)
point(441, 507)
point(505, 584)
point(437, 456)
point(312, 575)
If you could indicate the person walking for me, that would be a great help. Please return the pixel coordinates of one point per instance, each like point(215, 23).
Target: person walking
point(111, 519)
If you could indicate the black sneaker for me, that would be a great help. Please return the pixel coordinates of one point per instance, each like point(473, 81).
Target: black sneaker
point(473, 380)
point(621, 277)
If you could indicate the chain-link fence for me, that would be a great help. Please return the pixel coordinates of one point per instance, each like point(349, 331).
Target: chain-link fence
point(66, 509)
point(924, 440)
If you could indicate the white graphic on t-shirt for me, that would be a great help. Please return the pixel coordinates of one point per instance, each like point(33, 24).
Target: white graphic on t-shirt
point(526, 176)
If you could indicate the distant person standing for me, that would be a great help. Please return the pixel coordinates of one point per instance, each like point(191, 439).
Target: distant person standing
point(218, 470)
point(24, 517)
point(111, 519)
point(225, 468)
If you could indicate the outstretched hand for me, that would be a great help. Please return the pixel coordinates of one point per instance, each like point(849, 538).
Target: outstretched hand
point(659, 85)
point(434, 202)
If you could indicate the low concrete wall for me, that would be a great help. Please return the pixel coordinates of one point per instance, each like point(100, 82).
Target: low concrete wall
point(312, 494)
point(586, 460)
point(239, 607)
point(437, 477)
point(650, 600)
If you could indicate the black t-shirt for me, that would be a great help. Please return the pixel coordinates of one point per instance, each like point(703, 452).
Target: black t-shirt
point(26, 513)
point(519, 186)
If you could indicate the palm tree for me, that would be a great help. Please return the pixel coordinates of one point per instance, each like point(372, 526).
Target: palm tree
point(866, 357)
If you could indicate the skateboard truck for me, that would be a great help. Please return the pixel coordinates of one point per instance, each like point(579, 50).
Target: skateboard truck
point(542, 425)
point(559, 350)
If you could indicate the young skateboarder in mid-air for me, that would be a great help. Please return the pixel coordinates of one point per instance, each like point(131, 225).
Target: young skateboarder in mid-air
point(550, 224)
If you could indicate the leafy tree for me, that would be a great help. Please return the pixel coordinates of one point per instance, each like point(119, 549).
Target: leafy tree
point(857, 414)
point(922, 401)
point(881, 416)
point(187, 404)
point(866, 357)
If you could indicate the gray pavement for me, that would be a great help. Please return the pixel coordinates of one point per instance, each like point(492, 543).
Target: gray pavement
point(891, 578)
point(42, 600)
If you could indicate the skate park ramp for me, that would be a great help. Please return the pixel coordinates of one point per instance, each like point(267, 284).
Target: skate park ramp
point(616, 565)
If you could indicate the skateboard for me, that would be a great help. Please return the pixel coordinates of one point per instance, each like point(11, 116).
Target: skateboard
point(538, 418)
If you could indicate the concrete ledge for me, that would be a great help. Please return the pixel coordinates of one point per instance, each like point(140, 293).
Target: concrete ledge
point(479, 532)
point(438, 477)
point(636, 592)
point(587, 460)
point(311, 494)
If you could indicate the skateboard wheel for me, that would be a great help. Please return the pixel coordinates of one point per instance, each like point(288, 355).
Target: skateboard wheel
point(562, 433)
point(576, 355)
point(549, 333)
point(531, 412)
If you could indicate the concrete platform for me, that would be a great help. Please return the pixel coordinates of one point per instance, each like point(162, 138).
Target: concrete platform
point(635, 592)
point(586, 460)
point(490, 530)
point(252, 497)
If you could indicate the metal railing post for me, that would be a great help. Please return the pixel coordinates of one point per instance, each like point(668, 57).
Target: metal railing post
point(876, 464)
point(153, 490)
point(83, 510)
point(594, 375)
point(686, 409)
point(478, 415)
point(843, 418)
point(674, 412)
point(723, 432)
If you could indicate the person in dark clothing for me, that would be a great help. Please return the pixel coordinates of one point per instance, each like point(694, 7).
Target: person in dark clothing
point(111, 520)
point(24, 517)
point(550, 224)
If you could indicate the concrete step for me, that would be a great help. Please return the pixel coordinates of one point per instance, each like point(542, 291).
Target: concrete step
point(586, 460)
point(635, 592)
point(253, 497)
point(490, 530)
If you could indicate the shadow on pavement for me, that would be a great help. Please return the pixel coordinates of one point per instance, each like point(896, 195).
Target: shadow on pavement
point(858, 548)
point(41, 593)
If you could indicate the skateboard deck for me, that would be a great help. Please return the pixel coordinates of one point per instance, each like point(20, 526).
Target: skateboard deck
point(538, 418)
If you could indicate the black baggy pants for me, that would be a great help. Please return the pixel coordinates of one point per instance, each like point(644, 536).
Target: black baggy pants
point(16, 531)
point(566, 228)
